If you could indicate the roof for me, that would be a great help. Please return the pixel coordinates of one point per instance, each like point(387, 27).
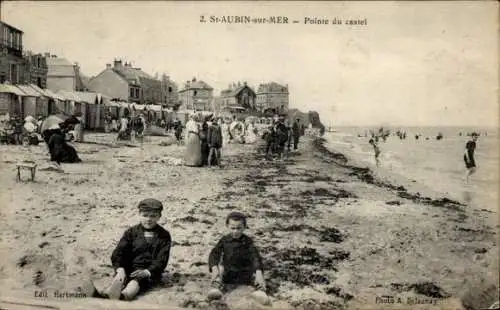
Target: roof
point(8, 25)
point(236, 91)
point(88, 97)
point(131, 74)
point(28, 91)
point(271, 87)
point(7, 88)
point(197, 85)
point(54, 95)
point(70, 96)
point(60, 67)
point(40, 91)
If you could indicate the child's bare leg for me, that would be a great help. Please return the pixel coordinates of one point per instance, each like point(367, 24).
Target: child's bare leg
point(131, 290)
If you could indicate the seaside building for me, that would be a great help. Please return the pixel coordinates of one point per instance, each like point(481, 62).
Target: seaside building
point(124, 82)
point(272, 97)
point(237, 97)
point(36, 69)
point(196, 95)
point(11, 54)
point(61, 74)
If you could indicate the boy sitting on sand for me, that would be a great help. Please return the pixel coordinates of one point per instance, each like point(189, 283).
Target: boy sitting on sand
point(241, 261)
point(141, 255)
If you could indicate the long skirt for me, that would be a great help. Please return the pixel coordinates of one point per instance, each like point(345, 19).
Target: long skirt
point(192, 155)
point(64, 154)
point(250, 138)
point(205, 150)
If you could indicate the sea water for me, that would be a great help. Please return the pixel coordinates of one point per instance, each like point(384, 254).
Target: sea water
point(437, 164)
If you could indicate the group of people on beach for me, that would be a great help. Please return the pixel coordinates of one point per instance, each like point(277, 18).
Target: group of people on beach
point(142, 254)
point(204, 141)
point(280, 135)
point(131, 127)
point(469, 160)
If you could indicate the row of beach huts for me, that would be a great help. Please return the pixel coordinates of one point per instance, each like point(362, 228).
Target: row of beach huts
point(29, 99)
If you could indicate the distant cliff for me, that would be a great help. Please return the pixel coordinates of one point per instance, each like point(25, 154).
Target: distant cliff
point(311, 117)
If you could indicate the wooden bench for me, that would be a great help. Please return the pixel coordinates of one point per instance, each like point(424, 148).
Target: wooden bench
point(26, 166)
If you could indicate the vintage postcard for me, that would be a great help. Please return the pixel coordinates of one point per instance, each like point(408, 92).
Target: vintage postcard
point(249, 155)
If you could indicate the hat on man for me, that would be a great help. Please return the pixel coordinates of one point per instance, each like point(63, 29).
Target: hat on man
point(150, 204)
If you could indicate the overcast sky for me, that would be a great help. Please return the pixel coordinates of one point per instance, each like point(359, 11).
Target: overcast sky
point(424, 63)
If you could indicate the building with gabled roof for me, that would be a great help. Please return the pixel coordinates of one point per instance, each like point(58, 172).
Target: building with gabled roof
point(196, 95)
point(238, 96)
point(272, 97)
point(124, 82)
point(61, 74)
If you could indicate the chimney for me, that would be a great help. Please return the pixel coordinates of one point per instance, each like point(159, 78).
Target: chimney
point(108, 66)
point(245, 83)
point(117, 64)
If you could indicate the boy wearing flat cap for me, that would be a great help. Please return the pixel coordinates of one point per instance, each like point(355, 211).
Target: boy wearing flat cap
point(141, 255)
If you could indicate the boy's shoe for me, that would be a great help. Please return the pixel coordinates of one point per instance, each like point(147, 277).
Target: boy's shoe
point(215, 291)
point(214, 294)
point(261, 297)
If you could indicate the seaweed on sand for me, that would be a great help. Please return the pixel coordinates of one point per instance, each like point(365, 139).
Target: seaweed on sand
point(429, 289)
point(303, 266)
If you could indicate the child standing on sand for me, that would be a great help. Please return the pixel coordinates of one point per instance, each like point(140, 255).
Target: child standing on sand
point(376, 149)
point(141, 255)
point(235, 259)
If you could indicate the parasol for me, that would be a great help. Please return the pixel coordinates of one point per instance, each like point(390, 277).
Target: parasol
point(59, 119)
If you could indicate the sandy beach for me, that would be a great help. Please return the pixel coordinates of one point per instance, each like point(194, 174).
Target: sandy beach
point(333, 236)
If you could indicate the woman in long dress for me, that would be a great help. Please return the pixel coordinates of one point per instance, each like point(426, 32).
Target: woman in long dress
point(224, 125)
point(251, 133)
point(192, 156)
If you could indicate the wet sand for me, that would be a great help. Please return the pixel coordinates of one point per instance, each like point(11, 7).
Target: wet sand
point(332, 235)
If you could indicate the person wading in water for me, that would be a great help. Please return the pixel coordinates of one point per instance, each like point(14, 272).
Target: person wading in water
point(470, 163)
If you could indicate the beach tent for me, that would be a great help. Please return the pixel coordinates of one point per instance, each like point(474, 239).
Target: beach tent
point(10, 99)
point(57, 103)
point(93, 107)
point(49, 104)
point(33, 103)
point(72, 103)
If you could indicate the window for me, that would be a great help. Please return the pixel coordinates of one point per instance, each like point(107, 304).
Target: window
point(14, 74)
point(39, 82)
point(137, 93)
point(195, 93)
point(170, 89)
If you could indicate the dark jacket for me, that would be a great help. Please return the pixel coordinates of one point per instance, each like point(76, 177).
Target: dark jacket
point(134, 252)
point(296, 129)
point(214, 137)
point(281, 133)
point(237, 255)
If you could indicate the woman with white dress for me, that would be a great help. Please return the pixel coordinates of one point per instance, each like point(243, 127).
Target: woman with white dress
point(192, 156)
point(225, 131)
point(251, 133)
